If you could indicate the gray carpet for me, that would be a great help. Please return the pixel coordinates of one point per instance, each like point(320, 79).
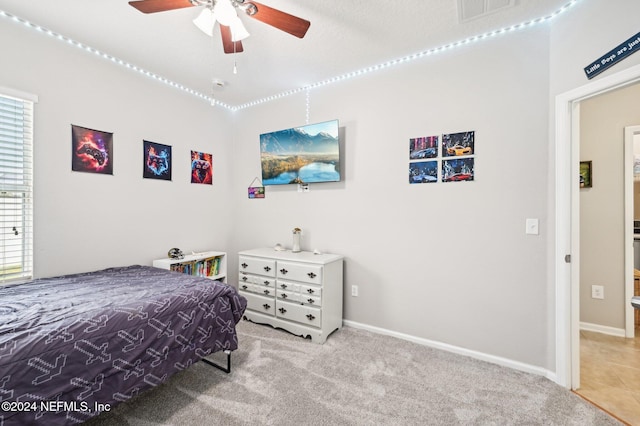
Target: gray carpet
point(355, 378)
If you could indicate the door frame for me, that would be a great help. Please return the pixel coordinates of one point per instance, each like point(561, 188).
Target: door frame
point(629, 135)
point(567, 219)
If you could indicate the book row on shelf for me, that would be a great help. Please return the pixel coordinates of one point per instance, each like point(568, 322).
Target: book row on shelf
point(209, 267)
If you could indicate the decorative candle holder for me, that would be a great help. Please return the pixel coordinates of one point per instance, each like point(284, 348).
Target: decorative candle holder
point(296, 240)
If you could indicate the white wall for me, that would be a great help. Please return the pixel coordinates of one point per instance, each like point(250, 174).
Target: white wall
point(448, 261)
point(589, 30)
point(85, 221)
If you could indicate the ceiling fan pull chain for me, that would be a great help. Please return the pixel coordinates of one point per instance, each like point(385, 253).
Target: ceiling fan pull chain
point(213, 75)
point(235, 62)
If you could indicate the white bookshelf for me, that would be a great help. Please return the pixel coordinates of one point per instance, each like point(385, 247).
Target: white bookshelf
point(208, 264)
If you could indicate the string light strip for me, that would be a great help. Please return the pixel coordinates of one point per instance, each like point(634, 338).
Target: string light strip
point(291, 92)
point(408, 58)
point(113, 59)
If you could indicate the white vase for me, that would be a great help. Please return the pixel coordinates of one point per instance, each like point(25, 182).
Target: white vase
point(296, 243)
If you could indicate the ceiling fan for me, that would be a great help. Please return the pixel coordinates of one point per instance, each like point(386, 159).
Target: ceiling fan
point(224, 12)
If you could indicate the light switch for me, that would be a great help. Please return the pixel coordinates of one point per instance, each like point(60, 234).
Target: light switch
point(532, 227)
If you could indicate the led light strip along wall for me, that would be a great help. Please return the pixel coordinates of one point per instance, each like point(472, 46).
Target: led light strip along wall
point(343, 77)
point(112, 58)
point(408, 58)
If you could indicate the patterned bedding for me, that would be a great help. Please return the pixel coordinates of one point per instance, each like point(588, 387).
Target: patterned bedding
point(76, 345)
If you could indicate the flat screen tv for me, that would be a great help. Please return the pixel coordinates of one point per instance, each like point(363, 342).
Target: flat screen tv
point(305, 154)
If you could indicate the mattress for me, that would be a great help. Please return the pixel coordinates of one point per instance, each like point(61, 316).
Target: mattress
point(76, 345)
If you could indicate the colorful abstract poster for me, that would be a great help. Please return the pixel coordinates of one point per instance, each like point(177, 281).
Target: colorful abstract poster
point(91, 150)
point(201, 168)
point(256, 192)
point(157, 161)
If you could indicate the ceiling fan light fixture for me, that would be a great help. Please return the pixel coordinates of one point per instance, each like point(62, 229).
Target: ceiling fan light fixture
point(205, 21)
point(224, 12)
point(238, 31)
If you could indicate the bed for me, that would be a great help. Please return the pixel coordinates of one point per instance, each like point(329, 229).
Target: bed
point(76, 345)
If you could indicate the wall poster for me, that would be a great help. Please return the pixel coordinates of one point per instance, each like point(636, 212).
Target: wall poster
point(201, 168)
point(91, 150)
point(157, 161)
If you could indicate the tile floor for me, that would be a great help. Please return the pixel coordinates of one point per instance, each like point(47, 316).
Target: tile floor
point(610, 374)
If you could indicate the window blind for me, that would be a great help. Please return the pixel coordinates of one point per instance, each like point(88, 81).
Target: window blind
point(16, 189)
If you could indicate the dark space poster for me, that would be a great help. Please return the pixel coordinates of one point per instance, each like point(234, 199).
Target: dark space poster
point(201, 168)
point(157, 161)
point(91, 150)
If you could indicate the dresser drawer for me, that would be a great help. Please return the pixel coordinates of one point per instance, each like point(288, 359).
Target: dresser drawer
point(288, 286)
point(262, 304)
point(310, 300)
point(300, 272)
point(310, 290)
point(299, 313)
point(257, 280)
point(245, 286)
point(254, 265)
point(254, 288)
point(291, 296)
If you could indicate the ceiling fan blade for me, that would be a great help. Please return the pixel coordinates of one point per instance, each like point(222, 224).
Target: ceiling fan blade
point(281, 20)
point(152, 6)
point(227, 42)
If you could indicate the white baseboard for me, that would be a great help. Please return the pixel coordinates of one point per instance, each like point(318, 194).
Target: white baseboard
point(604, 329)
point(516, 365)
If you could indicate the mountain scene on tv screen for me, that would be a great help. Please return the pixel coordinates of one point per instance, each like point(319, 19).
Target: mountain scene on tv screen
point(301, 155)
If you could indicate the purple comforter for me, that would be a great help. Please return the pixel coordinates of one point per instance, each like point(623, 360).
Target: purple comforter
point(75, 345)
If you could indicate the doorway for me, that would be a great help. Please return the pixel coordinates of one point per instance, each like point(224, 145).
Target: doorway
point(631, 151)
point(567, 209)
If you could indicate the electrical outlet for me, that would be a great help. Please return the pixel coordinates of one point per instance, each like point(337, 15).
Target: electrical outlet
point(597, 292)
point(354, 290)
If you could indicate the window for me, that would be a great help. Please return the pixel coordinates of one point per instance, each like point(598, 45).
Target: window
point(16, 186)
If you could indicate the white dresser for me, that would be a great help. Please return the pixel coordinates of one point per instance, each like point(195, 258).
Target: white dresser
point(298, 292)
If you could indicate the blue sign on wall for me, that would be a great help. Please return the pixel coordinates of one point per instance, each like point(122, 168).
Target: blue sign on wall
point(613, 57)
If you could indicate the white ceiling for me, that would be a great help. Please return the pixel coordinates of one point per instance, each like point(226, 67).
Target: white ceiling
point(344, 36)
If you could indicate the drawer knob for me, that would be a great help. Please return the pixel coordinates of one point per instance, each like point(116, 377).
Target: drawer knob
point(267, 283)
point(244, 287)
point(266, 268)
point(266, 306)
point(311, 275)
point(310, 301)
point(310, 291)
point(244, 265)
point(283, 271)
point(284, 295)
point(244, 279)
point(283, 285)
point(282, 310)
point(311, 317)
point(267, 292)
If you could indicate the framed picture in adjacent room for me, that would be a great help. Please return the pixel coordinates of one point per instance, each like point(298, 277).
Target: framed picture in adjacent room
point(586, 174)
point(91, 150)
point(157, 161)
